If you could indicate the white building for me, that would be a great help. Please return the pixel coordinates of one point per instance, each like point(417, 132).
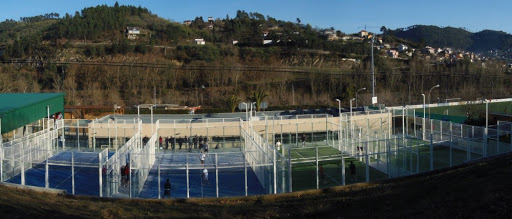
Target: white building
point(199, 41)
point(402, 48)
point(267, 42)
point(132, 33)
point(363, 33)
point(392, 53)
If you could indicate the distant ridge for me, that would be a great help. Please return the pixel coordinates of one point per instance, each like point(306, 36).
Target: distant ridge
point(457, 38)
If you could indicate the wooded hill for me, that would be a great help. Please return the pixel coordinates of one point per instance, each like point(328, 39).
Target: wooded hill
point(88, 56)
point(457, 38)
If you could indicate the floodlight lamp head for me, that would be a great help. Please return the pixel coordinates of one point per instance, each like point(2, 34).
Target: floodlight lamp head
point(364, 88)
point(338, 100)
point(437, 85)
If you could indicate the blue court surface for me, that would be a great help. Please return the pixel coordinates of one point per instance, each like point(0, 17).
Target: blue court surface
point(59, 173)
point(231, 176)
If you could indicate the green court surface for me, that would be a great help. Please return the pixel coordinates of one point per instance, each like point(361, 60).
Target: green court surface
point(304, 169)
point(405, 160)
point(411, 156)
point(459, 112)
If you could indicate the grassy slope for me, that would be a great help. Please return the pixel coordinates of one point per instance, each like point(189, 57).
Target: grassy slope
point(480, 190)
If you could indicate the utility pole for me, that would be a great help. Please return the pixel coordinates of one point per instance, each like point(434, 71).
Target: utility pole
point(293, 96)
point(373, 73)
point(154, 95)
point(374, 101)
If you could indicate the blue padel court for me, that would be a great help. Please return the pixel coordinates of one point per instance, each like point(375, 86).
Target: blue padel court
point(231, 176)
point(231, 183)
point(86, 173)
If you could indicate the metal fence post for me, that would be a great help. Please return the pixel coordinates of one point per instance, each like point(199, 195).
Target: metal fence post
point(72, 173)
point(188, 184)
point(431, 153)
point(388, 158)
point(159, 191)
point(130, 178)
point(216, 176)
point(326, 129)
point(342, 169)
point(78, 134)
point(100, 174)
point(296, 131)
point(290, 169)
point(275, 171)
point(367, 163)
point(46, 181)
point(245, 173)
point(316, 163)
point(498, 135)
point(22, 166)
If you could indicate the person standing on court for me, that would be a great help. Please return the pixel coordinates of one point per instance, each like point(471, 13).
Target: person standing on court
point(180, 142)
point(204, 176)
point(190, 142)
point(203, 156)
point(353, 171)
point(172, 142)
point(278, 145)
point(160, 142)
point(167, 189)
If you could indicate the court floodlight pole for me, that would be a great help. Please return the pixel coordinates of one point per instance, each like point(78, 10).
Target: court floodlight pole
point(424, 111)
point(339, 127)
point(152, 120)
point(486, 126)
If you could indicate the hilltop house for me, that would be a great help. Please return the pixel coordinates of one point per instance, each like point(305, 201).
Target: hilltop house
point(402, 48)
point(363, 33)
point(210, 22)
point(199, 41)
point(187, 22)
point(392, 53)
point(331, 34)
point(132, 33)
point(429, 50)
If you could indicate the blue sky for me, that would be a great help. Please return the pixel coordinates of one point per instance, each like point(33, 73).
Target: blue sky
point(346, 15)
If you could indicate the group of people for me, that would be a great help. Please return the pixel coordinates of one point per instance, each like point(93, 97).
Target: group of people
point(192, 142)
point(125, 175)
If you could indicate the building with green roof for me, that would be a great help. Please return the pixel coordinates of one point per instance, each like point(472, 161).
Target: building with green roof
point(20, 109)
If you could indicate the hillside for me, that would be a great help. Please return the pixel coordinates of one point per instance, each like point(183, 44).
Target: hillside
point(89, 56)
point(477, 190)
point(457, 38)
